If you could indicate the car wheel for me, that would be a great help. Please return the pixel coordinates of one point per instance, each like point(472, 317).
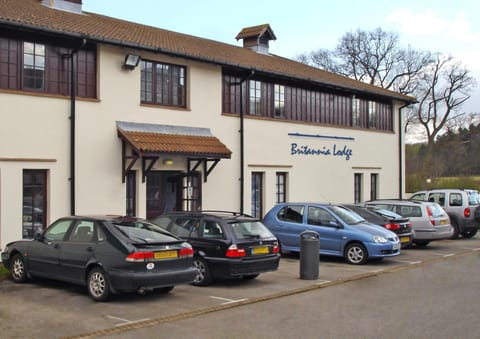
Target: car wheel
point(469, 233)
point(356, 254)
point(456, 231)
point(17, 269)
point(98, 285)
point(203, 276)
point(422, 243)
point(163, 290)
point(250, 276)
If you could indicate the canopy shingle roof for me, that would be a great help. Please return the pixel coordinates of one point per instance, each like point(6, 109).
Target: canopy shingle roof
point(175, 140)
point(31, 14)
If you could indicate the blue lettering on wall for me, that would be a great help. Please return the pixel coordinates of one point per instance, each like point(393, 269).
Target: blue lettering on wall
point(336, 151)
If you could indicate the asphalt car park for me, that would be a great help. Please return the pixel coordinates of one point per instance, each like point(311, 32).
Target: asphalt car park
point(54, 309)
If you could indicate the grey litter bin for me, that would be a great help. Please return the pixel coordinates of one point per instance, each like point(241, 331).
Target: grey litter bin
point(309, 255)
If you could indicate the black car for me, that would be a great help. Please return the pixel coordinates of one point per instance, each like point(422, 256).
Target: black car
point(107, 254)
point(388, 219)
point(226, 244)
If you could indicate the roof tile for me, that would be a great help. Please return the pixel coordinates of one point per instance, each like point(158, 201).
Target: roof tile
point(104, 29)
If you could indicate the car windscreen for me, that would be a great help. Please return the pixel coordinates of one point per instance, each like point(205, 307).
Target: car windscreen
point(347, 216)
point(140, 231)
point(250, 230)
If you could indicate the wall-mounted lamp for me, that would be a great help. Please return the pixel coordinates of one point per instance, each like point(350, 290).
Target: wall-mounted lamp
point(131, 61)
point(168, 162)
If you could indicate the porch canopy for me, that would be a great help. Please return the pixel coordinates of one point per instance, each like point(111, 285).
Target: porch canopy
point(148, 142)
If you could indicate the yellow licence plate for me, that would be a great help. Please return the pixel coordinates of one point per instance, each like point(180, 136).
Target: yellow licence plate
point(166, 255)
point(260, 250)
point(404, 239)
point(443, 222)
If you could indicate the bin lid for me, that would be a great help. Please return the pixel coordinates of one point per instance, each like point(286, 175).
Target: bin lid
point(309, 234)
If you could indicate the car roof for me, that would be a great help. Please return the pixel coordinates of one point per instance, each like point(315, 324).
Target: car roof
point(103, 217)
point(400, 202)
point(224, 215)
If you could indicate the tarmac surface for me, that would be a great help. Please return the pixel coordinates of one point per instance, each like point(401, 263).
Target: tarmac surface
point(48, 309)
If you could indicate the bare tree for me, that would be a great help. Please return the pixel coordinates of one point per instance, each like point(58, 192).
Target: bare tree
point(374, 57)
point(441, 90)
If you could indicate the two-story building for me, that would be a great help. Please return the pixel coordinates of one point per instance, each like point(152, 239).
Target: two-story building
point(104, 116)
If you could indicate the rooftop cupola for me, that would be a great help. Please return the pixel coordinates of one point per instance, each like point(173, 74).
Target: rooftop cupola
point(74, 6)
point(257, 37)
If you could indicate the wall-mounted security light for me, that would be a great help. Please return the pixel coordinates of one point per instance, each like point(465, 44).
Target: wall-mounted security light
point(168, 162)
point(131, 61)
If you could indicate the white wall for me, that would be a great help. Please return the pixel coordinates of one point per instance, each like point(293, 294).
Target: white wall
point(34, 133)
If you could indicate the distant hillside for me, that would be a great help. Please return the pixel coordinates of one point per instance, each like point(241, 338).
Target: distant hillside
point(454, 161)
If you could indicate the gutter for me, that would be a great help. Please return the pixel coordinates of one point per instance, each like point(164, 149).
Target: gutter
point(400, 153)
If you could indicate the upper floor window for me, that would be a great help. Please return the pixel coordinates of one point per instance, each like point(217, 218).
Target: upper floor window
point(356, 112)
point(163, 84)
point(255, 97)
point(42, 67)
point(372, 115)
point(33, 66)
point(279, 98)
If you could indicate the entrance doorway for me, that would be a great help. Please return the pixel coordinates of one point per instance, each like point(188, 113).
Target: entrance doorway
point(172, 191)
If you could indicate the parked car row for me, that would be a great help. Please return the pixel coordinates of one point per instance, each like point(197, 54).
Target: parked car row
point(112, 254)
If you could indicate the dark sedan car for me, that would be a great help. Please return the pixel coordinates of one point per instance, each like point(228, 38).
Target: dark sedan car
point(388, 219)
point(226, 244)
point(107, 254)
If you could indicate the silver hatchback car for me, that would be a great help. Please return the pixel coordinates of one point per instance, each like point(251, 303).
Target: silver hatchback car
point(429, 220)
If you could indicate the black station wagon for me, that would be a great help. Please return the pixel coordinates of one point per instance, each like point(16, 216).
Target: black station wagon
point(226, 244)
point(107, 254)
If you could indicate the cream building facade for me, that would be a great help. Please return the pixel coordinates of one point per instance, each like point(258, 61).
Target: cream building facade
point(51, 167)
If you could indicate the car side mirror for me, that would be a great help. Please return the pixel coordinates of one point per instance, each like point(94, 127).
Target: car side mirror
point(334, 224)
point(37, 236)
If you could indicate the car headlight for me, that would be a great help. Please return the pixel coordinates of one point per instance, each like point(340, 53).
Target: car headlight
point(380, 239)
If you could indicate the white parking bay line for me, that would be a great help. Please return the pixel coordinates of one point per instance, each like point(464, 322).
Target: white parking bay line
point(228, 301)
point(407, 261)
point(125, 321)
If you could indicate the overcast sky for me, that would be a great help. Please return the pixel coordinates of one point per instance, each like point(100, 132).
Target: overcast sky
point(450, 27)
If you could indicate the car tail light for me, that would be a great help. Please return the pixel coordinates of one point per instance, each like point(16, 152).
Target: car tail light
point(466, 212)
point(186, 251)
point(140, 256)
point(234, 252)
point(276, 248)
point(392, 227)
point(430, 216)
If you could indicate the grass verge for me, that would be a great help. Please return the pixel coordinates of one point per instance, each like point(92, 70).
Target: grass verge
point(3, 272)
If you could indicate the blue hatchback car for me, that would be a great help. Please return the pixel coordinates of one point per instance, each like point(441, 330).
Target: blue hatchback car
point(342, 232)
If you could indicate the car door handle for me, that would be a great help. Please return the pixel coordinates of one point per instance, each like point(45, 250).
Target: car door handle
point(89, 249)
point(56, 246)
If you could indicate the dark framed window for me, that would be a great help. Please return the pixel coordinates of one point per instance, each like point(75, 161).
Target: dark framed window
point(257, 194)
point(33, 66)
point(357, 187)
point(279, 101)
point(37, 66)
point(373, 186)
point(281, 189)
point(256, 100)
point(289, 101)
point(163, 84)
point(131, 186)
point(191, 192)
point(372, 115)
point(34, 202)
